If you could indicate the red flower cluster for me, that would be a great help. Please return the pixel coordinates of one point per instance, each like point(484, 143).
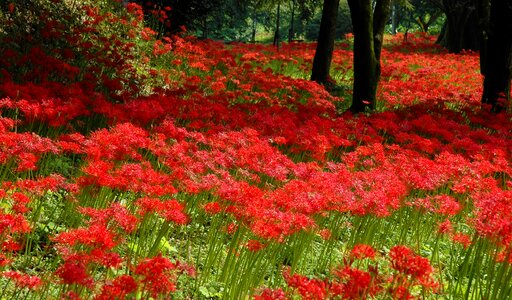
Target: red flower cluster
point(157, 273)
point(94, 139)
point(411, 272)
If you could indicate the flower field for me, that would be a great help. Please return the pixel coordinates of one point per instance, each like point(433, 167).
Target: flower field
point(133, 167)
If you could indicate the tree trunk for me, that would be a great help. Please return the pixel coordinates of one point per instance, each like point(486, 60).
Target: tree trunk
point(394, 18)
point(484, 10)
point(368, 27)
point(498, 57)
point(325, 45)
point(291, 31)
point(253, 32)
point(278, 24)
point(380, 18)
point(204, 34)
point(461, 31)
point(425, 24)
point(431, 20)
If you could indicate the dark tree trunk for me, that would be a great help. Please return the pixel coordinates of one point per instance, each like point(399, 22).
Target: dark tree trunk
point(204, 35)
point(484, 10)
point(497, 60)
point(368, 27)
point(253, 32)
point(278, 24)
point(461, 29)
point(291, 31)
point(325, 45)
point(380, 18)
point(394, 18)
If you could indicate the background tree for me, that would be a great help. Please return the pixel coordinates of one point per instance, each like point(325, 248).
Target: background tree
point(307, 14)
point(184, 13)
point(277, 35)
point(291, 13)
point(291, 29)
point(368, 22)
point(425, 13)
point(414, 14)
point(257, 18)
point(461, 28)
point(497, 59)
point(343, 23)
point(229, 21)
point(325, 42)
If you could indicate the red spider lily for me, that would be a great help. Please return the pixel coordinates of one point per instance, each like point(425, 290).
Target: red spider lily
point(493, 215)
point(462, 238)
point(254, 245)
point(74, 272)
point(505, 256)
point(269, 294)
point(157, 275)
point(121, 142)
point(171, 210)
point(116, 212)
point(40, 186)
point(354, 283)
point(187, 269)
point(413, 270)
point(307, 288)
point(71, 296)
point(25, 148)
point(405, 261)
point(136, 177)
point(272, 224)
point(441, 204)
point(95, 236)
point(4, 261)
point(13, 223)
point(20, 202)
point(237, 134)
point(445, 227)
point(118, 288)
point(362, 251)
point(212, 208)
point(325, 234)
point(23, 280)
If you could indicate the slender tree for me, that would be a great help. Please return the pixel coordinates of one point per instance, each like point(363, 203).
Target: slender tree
point(394, 17)
point(291, 30)
point(425, 13)
point(368, 22)
point(496, 60)
point(277, 36)
point(325, 45)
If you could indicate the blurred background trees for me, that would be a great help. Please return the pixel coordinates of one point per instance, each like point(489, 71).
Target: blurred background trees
point(257, 20)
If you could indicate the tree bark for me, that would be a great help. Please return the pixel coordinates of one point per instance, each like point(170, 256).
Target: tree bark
point(325, 44)
point(368, 27)
point(278, 24)
point(461, 30)
point(291, 31)
point(498, 57)
point(394, 18)
point(484, 10)
point(253, 32)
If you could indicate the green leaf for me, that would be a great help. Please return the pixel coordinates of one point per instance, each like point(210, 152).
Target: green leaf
point(204, 291)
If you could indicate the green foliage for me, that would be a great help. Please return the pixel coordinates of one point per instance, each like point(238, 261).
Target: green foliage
point(417, 15)
point(343, 23)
